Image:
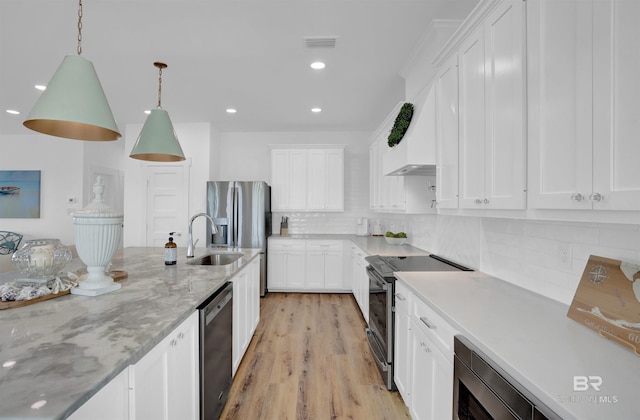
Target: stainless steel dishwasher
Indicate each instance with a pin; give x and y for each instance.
(216, 315)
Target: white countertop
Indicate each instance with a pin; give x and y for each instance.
(531, 338)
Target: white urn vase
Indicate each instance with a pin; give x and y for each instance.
(98, 230)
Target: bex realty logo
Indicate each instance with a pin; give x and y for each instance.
(583, 383)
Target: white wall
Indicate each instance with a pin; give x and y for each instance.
(60, 163)
(247, 157)
(195, 140)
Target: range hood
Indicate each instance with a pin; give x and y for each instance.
(416, 153)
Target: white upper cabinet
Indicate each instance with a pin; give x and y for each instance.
(307, 179)
(447, 137)
(288, 179)
(491, 87)
(583, 90)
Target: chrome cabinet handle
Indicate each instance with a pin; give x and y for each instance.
(400, 297)
(577, 197)
(428, 323)
(597, 197)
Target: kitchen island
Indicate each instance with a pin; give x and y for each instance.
(58, 353)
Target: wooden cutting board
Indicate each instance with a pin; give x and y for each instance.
(117, 276)
(605, 301)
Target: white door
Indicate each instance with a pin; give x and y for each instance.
(167, 203)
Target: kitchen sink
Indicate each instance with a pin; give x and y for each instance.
(218, 258)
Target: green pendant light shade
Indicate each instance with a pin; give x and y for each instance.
(74, 105)
(158, 141)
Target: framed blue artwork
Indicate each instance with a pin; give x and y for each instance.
(20, 194)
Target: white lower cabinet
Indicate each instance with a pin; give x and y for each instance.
(111, 402)
(402, 355)
(246, 309)
(299, 265)
(360, 280)
(164, 384)
(423, 358)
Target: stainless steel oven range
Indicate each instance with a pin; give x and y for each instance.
(380, 332)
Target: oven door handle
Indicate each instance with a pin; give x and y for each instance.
(376, 350)
(377, 279)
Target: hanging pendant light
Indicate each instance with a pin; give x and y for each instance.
(74, 105)
(157, 141)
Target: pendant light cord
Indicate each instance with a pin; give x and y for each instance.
(80, 27)
(159, 85)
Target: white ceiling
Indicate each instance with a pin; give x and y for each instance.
(245, 54)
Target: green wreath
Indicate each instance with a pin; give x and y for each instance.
(401, 125)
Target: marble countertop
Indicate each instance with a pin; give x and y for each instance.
(531, 338)
(372, 245)
(56, 354)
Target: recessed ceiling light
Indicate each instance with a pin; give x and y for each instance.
(147, 111)
(40, 87)
(13, 112)
(231, 110)
(316, 110)
(318, 65)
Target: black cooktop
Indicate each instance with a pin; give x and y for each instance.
(385, 266)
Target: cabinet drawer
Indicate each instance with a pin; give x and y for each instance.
(439, 330)
(325, 245)
(286, 244)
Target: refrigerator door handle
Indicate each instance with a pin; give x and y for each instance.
(236, 218)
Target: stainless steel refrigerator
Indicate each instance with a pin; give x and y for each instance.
(241, 211)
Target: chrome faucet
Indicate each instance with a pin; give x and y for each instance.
(190, 244)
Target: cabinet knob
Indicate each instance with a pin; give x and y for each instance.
(486, 201)
(181, 336)
(597, 197)
(577, 197)
(174, 342)
(478, 201)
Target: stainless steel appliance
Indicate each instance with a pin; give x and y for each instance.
(216, 318)
(380, 332)
(241, 211)
(483, 391)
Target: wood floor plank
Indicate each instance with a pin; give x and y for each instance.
(309, 359)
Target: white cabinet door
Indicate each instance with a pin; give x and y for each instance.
(333, 270)
(403, 349)
(505, 154)
(375, 176)
(111, 402)
(277, 269)
(447, 138)
(150, 384)
(315, 270)
(491, 89)
(423, 381)
(184, 373)
(471, 73)
(280, 180)
(334, 183)
(240, 317)
(560, 56)
(164, 384)
(298, 176)
(296, 269)
(616, 66)
(316, 180)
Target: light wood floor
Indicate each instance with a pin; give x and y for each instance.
(309, 359)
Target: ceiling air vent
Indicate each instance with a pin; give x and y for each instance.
(320, 41)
